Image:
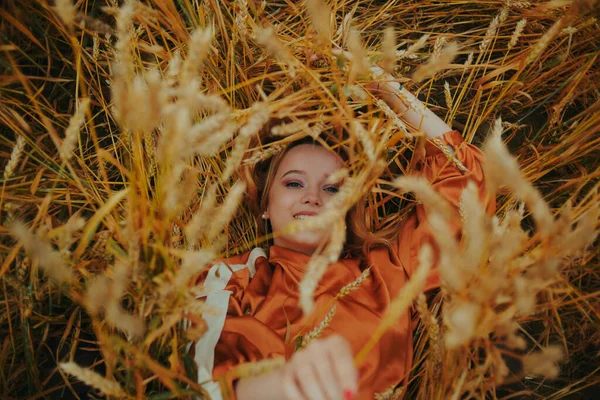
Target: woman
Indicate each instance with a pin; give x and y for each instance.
(258, 294)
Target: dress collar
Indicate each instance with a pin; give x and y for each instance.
(288, 257)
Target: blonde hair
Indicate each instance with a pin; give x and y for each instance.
(360, 235)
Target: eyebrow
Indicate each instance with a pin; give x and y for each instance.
(299, 171)
(294, 171)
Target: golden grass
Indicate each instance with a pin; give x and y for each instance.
(123, 130)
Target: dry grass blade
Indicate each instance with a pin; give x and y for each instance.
(432, 328)
(192, 264)
(450, 264)
(201, 218)
(448, 95)
(365, 139)
(266, 154)
(315, 270)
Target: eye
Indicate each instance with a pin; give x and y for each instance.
(293, 184)
(332, 189)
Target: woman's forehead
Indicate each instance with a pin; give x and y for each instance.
(311, 159)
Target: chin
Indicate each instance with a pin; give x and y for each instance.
(304, 242)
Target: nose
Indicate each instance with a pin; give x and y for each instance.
(313, 198)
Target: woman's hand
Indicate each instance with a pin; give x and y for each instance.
(324, 370)
(408, 107)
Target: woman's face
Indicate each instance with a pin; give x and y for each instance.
(300, 190)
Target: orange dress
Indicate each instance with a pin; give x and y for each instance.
(259, 300)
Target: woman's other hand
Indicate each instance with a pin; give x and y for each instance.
(324, 370)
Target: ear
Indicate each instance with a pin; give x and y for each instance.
(266, 213)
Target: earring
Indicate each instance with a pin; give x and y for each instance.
(264, 215)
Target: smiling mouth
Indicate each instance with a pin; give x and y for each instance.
(303, 216)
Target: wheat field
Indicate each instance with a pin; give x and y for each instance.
(125, 127)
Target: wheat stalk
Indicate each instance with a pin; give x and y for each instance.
(319, 15)
(354, 285)
(224, 214)
(318, 330)
(360, 64)
(42, 253)
(248, 370)
(199, 48)
(93, 379)
(388, 47)
(319, 263)
(437, 62)
(72, 132)
(514, 38)
(259, 117)
(268, 39)
(402, 301)
(66, 10)
(105, 294)
(489, 34)
(15, 157)
(411, 51)
(544, 362)
(541, 45)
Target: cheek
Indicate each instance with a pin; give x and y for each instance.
(279, 207)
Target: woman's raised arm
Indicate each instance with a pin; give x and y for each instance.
(448, 164)
(415, 112)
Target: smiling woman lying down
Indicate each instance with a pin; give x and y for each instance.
(257, 293)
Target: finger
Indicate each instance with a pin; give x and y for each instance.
(346, 54)
(329, 381)
(291, 390)
(315, 57)
(342, 362)
(308, 382)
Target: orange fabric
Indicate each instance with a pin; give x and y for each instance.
(264, 316)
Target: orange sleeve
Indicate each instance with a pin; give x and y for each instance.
(236, 285)
(244, 339)
(448, 175)
(241, 338)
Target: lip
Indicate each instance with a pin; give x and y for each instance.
(309, 213)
